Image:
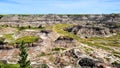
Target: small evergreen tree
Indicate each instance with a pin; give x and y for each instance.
(24, 63)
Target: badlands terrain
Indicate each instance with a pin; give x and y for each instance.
(63, 40)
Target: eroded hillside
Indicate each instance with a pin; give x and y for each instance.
(62, 41)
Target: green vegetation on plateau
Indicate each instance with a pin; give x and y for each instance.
(59, 28)
(27, 39)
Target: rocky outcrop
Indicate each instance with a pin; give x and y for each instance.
(87, 31)
(64, 41)
(84, 60)
(91, 63)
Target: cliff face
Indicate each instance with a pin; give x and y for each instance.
(36, 20)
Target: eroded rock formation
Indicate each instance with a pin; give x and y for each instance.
(37, 20)
(87, 31)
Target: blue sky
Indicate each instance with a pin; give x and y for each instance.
(59, 6)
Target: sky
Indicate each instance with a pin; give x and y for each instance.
(59, 6)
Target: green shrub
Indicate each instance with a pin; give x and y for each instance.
(58, 49)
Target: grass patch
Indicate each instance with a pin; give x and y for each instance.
(9, 65)
(51, 58)
(116, 55)
(27, 39)
(105, 43)
(9, 38)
